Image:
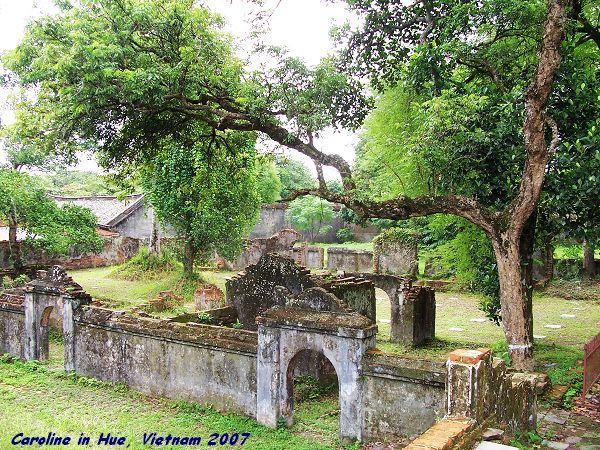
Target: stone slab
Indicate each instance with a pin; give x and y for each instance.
(492, 434)
(553, 418)
(555, 445)
(553, 326)
(494, 446)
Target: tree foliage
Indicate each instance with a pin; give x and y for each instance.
(56, 230)
(268, 180)
(293, 174)
(312, 215)
(206, 192)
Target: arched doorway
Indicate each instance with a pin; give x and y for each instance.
(312, 383)
(383, 309)
(285, 332)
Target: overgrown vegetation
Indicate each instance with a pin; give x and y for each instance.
(308, 388)
(145, 265)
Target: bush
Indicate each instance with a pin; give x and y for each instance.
(144, 265)
(397, 235)
(344, 235)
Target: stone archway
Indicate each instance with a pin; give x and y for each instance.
(319, 361)
(412, 318)
(51, 290)
(343, 338)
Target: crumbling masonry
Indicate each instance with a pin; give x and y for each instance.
(250, 371)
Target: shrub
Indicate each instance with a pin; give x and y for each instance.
(144, 265)
(344, 235)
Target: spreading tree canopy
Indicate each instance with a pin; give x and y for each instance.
(125, 74)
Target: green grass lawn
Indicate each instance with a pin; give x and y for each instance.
(36, 400)
(456, 311)
(120, 293)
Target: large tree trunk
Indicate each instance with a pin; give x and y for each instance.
(14, 246)
(526, 245)
(189, 255)
(515, 310)
(155, 236)
(588, 261)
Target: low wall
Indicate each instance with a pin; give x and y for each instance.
(116, 250)
(393, 386)
(201, 363)
(398, 258)
(311, 257)
(12, 326)
(349, 260)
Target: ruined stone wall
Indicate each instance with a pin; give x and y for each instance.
(311, 257)
(272, 219)
(138, 225)
(12, 326)
(254, 291)
(401, 396)
(398, 258)
(349, 260)
(281, 243)
(192, 362)
(479, 386)
(357, 293)
(116, 250)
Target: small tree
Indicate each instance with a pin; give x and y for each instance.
(206, 192)
(25, 205)
(311, 214)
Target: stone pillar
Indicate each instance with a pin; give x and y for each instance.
(351, 391)
(268, 377)
(30, 339)
(70, 304)
(468, 383)
(39, 303)
(413, 321)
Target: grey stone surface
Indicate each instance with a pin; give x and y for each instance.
(573, 439)
(553, 418)
(208, 365)
(393, 386)
(348, 260)
(494, 446)
(555, 445)
(492, 434)
(12, 325)
(397, 258)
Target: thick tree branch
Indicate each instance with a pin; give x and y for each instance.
(402, 208)
(534, 127)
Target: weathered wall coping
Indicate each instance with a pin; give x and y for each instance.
(209, 336)
(349, 251)
(385, 365)
(18, 309)
(337, 323)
